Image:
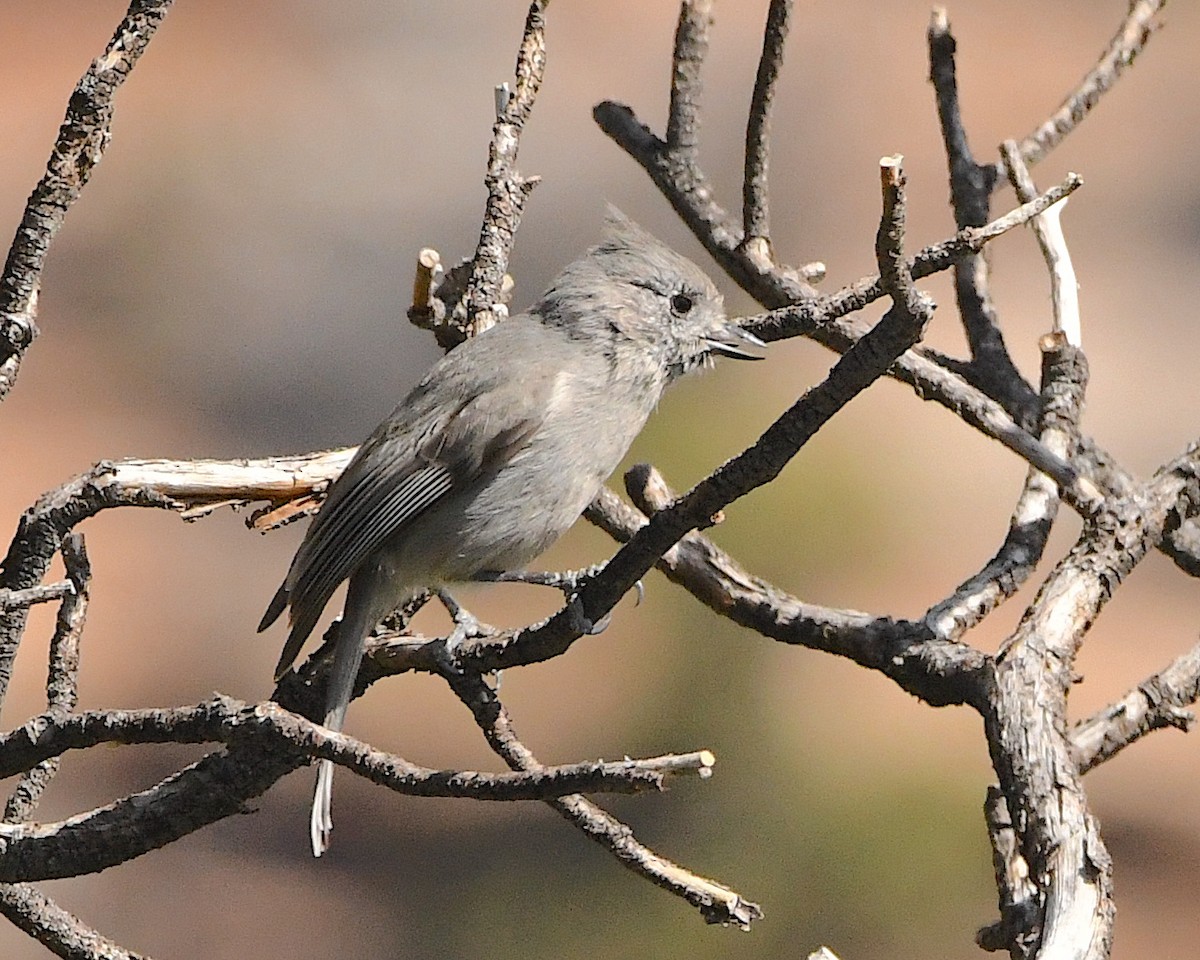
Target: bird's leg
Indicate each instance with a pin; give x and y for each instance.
(570, 582)
(467, 626)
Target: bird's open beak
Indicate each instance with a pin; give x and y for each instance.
(730, 340)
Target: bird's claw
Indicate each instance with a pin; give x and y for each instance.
(581, 622)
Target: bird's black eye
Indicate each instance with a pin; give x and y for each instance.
(681, 304)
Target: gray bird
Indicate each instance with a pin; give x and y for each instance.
(500, 447)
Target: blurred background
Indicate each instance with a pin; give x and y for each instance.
(233, 283)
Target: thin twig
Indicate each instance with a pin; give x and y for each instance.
(483, 304)
(756, 236)
(1047, 227)
(691, 47)
(81, 142)
(1131, 37)
(1159, 702)
(58, 931)
(62, 680)
(716, 903)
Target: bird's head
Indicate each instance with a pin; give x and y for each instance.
(634, 292)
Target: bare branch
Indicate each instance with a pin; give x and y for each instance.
(1047, 227)
(716, 903)
(265, 741)
(507, 189)
(1026, 719)
(222, 720)
(755, 220)
(81, 142)
(1131, 37)
(691, 47)
(1157, 703)
(57, 930)
(62, 680)
(971, 186)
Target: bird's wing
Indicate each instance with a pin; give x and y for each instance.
(401, 471)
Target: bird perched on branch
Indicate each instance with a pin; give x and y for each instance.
(500, 447)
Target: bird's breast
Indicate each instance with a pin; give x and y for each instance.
(532, 500)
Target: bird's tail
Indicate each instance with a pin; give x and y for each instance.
(357, 622)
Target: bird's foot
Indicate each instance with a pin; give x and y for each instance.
(467, 627)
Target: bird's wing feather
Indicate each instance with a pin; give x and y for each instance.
(397, 475)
